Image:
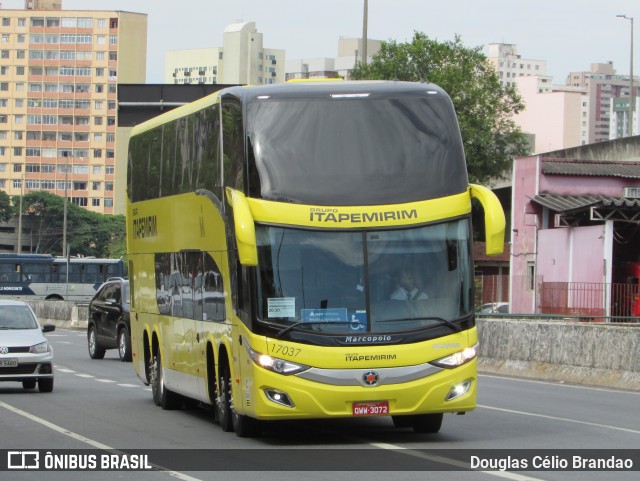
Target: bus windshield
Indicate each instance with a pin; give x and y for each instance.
(374, 281)
(354, 151)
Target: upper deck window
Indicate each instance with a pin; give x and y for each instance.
(354, 150)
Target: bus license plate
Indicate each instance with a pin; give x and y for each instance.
(375, 408)
(8, 363)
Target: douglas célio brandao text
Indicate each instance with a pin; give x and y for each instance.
(573, 462)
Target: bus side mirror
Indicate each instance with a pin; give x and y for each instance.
(494, 222)
(245, 229)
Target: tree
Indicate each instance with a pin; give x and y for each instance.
(88, 233)
(485, 109)
(6, 210)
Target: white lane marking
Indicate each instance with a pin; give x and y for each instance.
(80, 437)
(63, 342)
(561, 384)
(89, 376)
(452, 462)
(556, 418)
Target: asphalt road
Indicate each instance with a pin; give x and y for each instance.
(101, 404)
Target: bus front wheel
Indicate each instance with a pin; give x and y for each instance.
(245, 426)
(426, 423)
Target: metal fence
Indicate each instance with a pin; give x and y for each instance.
(589, 300)
(585, 301)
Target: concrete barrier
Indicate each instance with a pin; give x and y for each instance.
(63, 314)
(594, 354)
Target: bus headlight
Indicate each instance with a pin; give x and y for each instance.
(281, 366)
(39, 348)
(458, 358)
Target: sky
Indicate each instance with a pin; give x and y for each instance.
(569, 34)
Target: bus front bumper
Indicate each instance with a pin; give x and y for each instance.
(270, 396)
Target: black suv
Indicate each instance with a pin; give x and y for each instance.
(109, 326)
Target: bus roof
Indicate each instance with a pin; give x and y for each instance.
(292, 90)
(10, 257)
(326, 89)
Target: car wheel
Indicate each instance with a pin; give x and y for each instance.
(96, 351)
(45, 385)
(223, 403)
(29, 384)
(124, 345)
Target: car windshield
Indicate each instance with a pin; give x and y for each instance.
(17, 317)
(374, 281)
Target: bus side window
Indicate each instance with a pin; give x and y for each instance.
(242, 279)
(233, 144)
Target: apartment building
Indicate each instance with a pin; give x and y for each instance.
(592, 106)
(619, 113)
(242, 59)
(510, 65)
(555, 114)
(59, 71)
(603, 85)
(350, 51)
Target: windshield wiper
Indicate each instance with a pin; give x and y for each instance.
(312, 323)
(441, 321)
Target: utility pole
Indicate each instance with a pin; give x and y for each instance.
(631, 92)
(64, 215)
(365, 20)
(20, 217)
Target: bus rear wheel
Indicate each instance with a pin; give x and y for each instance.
(162, 396)
(223, 403)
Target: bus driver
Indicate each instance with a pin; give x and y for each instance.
(410, 285)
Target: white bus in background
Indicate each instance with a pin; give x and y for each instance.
(43, 276)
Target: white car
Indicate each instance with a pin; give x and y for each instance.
(493, 308)
(25, 354)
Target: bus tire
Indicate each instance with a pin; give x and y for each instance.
(162, 396)
(96, 351)
(124, 345)
(211, 385)
(427, 423)
(223, 403)
(402, 421)
(245, 426)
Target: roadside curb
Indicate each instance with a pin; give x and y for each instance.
(604, 378)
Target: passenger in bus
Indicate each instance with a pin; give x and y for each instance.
(410, 285)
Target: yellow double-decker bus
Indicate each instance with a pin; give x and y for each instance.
(304, 251)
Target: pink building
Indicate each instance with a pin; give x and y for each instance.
(574, 226)
(553, 113)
